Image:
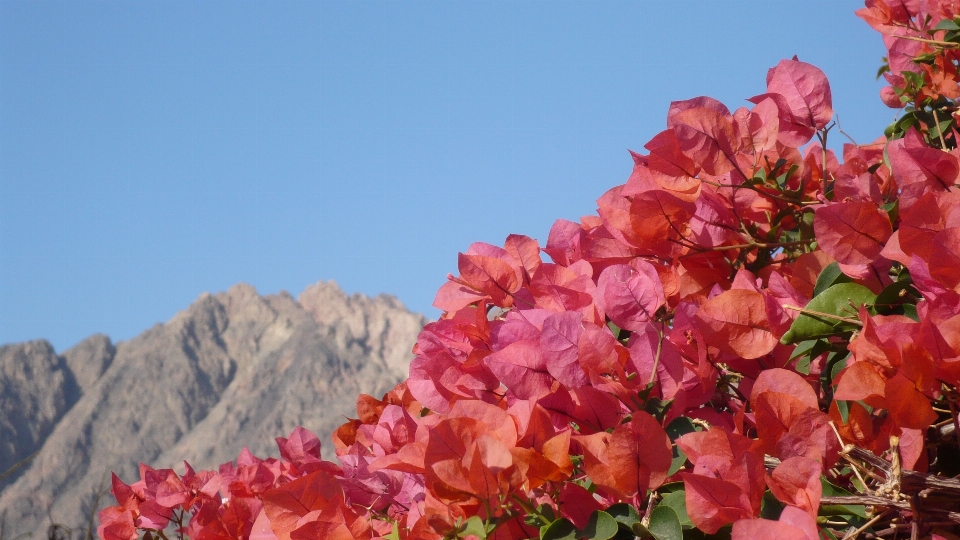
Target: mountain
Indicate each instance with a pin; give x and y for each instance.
(234, 369)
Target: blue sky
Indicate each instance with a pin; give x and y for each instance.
(151, 151)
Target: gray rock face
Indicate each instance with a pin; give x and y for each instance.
(235, 369)
(36, 389)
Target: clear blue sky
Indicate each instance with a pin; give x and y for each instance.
(151, 151)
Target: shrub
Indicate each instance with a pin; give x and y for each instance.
(749, 340)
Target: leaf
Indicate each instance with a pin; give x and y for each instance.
(301, 446)
(764, 529)
(852, 232)
(770, 508)
(860, 381)
(785, 382)
(796, 482)
(806, 90)
(830, 490)
(947, 24)
(601, 526)
(678, 427)
(116, 523)
(520, 366)
(707, 137)
(677, 501)
(559, 343)
(945, 258)
(630, 294)
(640, 453)
(491, 274)
(577, 504)
(713, 503)
(665, 524)
(830, 276)
(560, 529)
(624, 513)
(919, 168)
(841, 300)
(474, 525)
(907, 405)
(285, 505)
(736, 322)
(891, 298)
(640, 531)
(526, 250)
(656, 217)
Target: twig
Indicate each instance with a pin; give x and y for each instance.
(943, 144)
(864, 500)
(844, 133)
(645, 520)
(845, 453)
(656, 359)
(944, 44)
(853, 534)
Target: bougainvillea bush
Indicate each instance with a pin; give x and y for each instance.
(751, 339)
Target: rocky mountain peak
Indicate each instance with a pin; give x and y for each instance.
(233, 369)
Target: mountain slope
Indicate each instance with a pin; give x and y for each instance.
(233, 369)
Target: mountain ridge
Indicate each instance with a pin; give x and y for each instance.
(234, 369)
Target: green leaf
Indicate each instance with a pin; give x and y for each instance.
(893, 210)
(894, 296)
(615, 329)
(601, 526)
(883, 69)
(841, 300)
(677, 501)
(657, 407)
(830, 490)
(474, 525)
(665, 524)
(946, 24)
(560, 529)
(803, 365)
(807, 351)
(770, 507)
(394, 534)
(803, 348)
(624, 513)
(913, 78)
(829, 276)
(546, 513)
(843, 407)
(640, 531)
(836, 362)
(678, 427)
